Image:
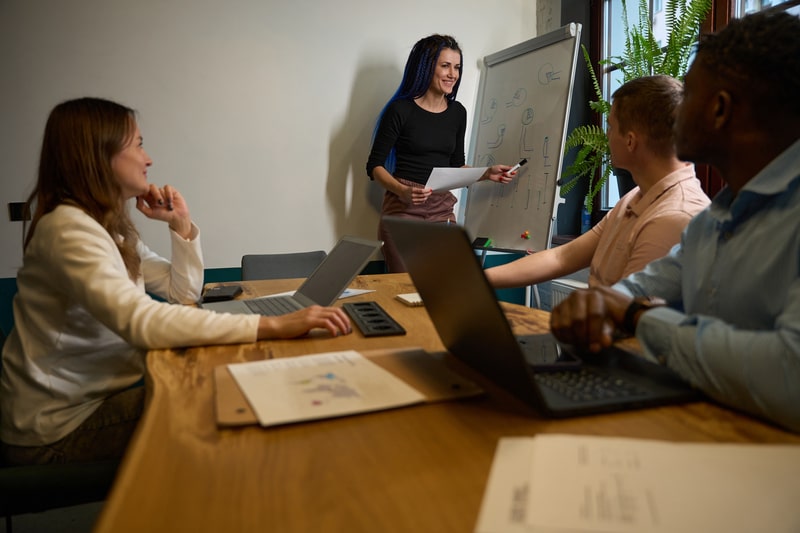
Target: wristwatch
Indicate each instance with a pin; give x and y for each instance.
(639, 304)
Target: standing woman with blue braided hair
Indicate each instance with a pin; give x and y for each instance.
(422, 127)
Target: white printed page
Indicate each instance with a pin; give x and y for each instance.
(318, 386)
(619, 485)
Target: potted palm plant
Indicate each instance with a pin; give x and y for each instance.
(642, 56)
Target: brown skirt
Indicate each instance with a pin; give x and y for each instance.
(438, 208)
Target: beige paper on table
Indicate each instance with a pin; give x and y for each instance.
(559, 483)
(448, 178)
(318, 386)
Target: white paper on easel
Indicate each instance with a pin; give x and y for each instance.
(315, 386)
(446, 178)
(617, 485)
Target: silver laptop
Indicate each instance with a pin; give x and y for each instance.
(464, 309)
(328, 281)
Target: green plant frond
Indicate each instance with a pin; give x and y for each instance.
(586, 135)
(584, 167)
(671, 15)
(596, 187)
(642, 54)
(586, 160)
(645, 25)
(683, 22)
(642, 58)
(592, 154)
(568, 187)
(583, 153)
(596, 84)
(601, 107)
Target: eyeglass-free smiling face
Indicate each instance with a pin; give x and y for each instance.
(130, 166)
(447, 72)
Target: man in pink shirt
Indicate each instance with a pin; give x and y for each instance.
(647, 221)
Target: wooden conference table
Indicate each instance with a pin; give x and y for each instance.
(415, 469)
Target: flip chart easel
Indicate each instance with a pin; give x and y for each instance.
(522, 112)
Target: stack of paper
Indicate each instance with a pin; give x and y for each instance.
(556, 483)
(411, 299)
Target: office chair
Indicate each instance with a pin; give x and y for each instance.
(278, 266)
(37, 488)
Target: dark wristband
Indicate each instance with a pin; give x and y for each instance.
(638, 304)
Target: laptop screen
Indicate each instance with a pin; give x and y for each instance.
(461, 303)
(344, 262)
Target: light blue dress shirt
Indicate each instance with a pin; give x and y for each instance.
(732, 327)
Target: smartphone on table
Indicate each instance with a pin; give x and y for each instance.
(221, 293)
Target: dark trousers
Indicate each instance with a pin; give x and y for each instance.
(104, 435)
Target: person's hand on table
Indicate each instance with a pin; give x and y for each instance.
(588, 318)
(297, 324)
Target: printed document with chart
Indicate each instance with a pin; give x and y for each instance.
(324, 385)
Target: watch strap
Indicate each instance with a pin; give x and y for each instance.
(638, 304)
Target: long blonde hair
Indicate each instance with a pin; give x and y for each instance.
(80, 139)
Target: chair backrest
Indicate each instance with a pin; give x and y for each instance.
(284, 265)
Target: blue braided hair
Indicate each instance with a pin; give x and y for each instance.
(420, 66)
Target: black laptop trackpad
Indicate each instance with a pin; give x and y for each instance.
(543, 352)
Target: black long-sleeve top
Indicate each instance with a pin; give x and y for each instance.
(423, 140)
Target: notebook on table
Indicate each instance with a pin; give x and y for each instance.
(468, 318)
(328, 281)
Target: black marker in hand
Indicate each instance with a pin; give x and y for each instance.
(516, 167)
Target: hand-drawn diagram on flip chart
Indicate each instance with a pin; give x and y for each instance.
(522, 113)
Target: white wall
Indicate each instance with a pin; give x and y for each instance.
(259, 111)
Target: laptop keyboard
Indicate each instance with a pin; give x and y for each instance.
(272, 306)
(588, 385)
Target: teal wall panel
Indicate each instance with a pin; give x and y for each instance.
(216, 275)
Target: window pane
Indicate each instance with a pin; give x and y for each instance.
(745, 7)
(614, 47)
(610, 81)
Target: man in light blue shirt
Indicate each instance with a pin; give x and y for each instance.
(723, 308)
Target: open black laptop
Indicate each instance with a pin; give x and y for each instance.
(344, 262)
(464, 309)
